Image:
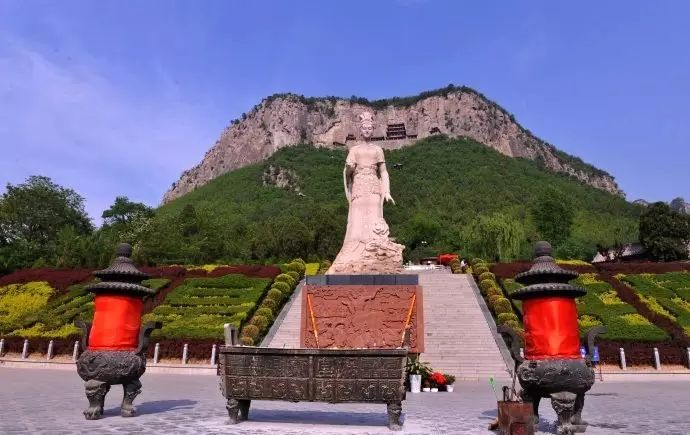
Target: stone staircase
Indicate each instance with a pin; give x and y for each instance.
(285, 331)
(459, 333)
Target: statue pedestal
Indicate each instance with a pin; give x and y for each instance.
(362, 311)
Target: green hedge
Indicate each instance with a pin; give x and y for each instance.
(201, 306)
(622, 321)
(667, 294)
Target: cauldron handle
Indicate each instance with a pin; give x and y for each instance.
(145, 334)
(85, 331)
(514, 344)
(591, 335)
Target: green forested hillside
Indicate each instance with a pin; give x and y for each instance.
(442, 188)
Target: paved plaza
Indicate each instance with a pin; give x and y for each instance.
(45, 401)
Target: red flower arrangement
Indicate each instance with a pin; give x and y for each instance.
(437, 379)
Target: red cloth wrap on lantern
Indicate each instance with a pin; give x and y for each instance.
(116, 322)
(551, 330)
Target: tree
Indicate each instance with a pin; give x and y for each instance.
(664, 233)
(32, 214)
(553, 216)
(497, 236)
(679, 205)
(123, 211)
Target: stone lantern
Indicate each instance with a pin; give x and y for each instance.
(115, 344)
(552, 365)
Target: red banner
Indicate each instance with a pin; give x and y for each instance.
(551, 330)
(116, 323)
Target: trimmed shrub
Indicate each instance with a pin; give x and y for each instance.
(260, 322)
(502, 305)
(480, 269)
(269, 303)
(266, 312)
(246, 341)
(282, 286)
(492, 300)
(251, 331)
(493, 291)
(295, 267)
(284, 277)
(477, 261)
(323, 268)
(487, 275)
(276, 295)
(484, 285)
(295, 275)
(506, 317)
(515, 325)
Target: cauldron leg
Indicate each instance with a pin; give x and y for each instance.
(577, 413)
(233, 407)
(131, 390)
(564, 403)
(244, 409)
(95, 392)
(394, 411)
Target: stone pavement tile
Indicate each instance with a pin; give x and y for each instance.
(51, 402)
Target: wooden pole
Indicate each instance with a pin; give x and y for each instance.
(407, 319)
(313, 321)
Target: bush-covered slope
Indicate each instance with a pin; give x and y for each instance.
(440, 185)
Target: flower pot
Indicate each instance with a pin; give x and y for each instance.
(449, 388)
(415, 383)
(434, 390)
(426, 389)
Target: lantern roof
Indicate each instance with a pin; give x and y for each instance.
(121, 276)
(546, 278)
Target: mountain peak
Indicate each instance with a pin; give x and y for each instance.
(283, 120)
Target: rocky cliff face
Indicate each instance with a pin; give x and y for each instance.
(285, 120)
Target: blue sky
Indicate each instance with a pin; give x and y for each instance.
(118, 98)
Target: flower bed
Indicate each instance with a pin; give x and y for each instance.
(17, 301)
(666, 294)
(602, 305)
(199, 307)
(58, 279)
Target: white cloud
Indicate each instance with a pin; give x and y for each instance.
(65, 119)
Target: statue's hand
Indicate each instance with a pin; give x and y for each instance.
(388, 197)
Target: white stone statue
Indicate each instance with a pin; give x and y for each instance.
(367, 247)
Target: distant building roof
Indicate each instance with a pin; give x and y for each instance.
(630, 250)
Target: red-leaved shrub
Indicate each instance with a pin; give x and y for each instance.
(59, 279)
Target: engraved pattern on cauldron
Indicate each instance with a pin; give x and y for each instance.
(110, 366)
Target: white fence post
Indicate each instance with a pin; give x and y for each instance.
(49, 355)
(25, 349)
(75, 352)
(156, 353)
(687, 350)
(184, 354)
(2, 346)
(657, 361)
(624, 366)
(522, 353)
(213, 355)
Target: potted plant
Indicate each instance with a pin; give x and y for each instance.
(426, 385)
(416, 371)
(436, 379)
(450, 380)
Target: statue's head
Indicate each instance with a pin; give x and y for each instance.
(366, 126)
